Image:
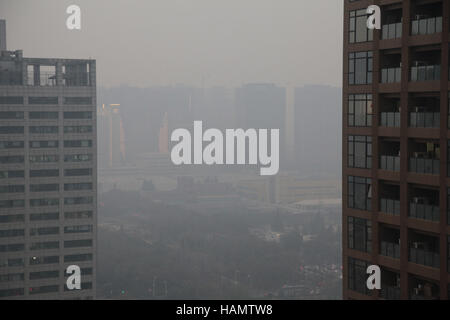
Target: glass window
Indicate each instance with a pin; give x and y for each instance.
(360, 68)
(360, 193)
(360, 152)
(358, 31)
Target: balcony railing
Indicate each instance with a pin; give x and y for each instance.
(426, 26)
(426, 73)
(424, 119)
(390, 119)
(390, 250)
(392, 31)
(45, 79)
(390, 292)
(391, 75)
(424, 257)
(424, 212)
(390, 163)
(425, 166)
(390, 206)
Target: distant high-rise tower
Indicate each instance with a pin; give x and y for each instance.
(396, 146)
(48, 176)
(163, 138)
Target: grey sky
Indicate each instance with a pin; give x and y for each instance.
(159, 42)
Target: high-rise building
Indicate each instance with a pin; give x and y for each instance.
(48, 176)
(396, 144)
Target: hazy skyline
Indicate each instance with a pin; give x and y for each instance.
(199, 42)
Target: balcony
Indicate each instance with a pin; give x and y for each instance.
(390, 155)
(422, 289)
(424, 257)
(390, 250)
(389, 241)
(423, 25)
(424, 212)
(424, 72)
(424, 166)
(390, 206)
(424, 249)
(390, 119)
(391, 31)
(390, 292)
(389, 111)
(424, 119)
(391, 75)
(390, 163)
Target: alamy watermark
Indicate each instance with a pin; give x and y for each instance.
(238, 144)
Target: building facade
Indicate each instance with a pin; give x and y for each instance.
(396, 144)
(48, 176)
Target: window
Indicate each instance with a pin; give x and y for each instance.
(360, 193)
(78, 100)
(44, 144)
(43, 100)
(11, 218)
(360, 110)
(11, 144)
(11, 277)
(78, 200)
(359, 234)
(77, 172)
(12, 247)
(47, 158)
(44, 173)
(78, 157)
(44, 187)
(44, 130)
(77, 143)
(78, 215)
(44, 202)
(44, 231)
(19, 188)
(8, 204)
(78, 229)
(78, 257)
(11, 292)
(44, 245)
(10, 233)
(360, 68)
(44, 275)
(78, 115)
(357, 276)
(12, 159)
(12, 174)
(11, 115)
(77, 186)
(78, 243)
(77, 129)
(44, 260)
(44, 216)
(17, 262)
(11, 130)
(44, 115)
(360, 152)
(44, 289)
(358, 31)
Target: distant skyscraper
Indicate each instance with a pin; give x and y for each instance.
(396, 147)
(48, 176)
(163, 139)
